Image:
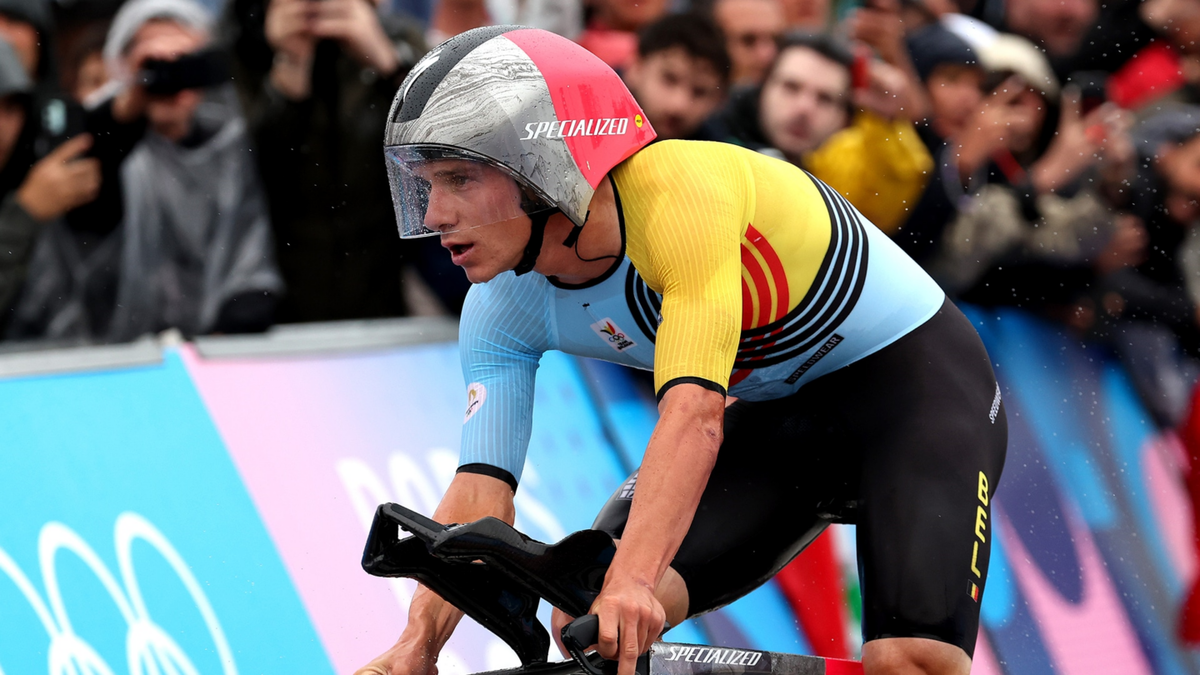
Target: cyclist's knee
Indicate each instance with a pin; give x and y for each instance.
(914, 656)
(558, 619)
(673, 594)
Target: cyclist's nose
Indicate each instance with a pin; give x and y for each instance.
(440, 216)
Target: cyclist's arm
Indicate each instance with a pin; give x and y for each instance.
(672, 477)
(502, 335)
(690, 248)
(431, 620)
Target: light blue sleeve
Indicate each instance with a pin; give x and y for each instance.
(505, 329)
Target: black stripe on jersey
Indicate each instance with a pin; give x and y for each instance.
(829, 300)
(644, 304)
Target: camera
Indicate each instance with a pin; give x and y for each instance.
(190, 71)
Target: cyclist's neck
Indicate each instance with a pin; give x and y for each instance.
(600, 243)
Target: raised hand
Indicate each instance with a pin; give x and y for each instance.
(996, 122)
(879, 25)
(355, 24)
(289, 32)
(1077, 144)
(888, 92)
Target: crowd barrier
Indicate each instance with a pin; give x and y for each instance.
(201, 507)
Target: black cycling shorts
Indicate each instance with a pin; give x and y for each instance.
(908, 443)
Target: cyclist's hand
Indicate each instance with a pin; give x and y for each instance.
(402, 659)
(631, 619)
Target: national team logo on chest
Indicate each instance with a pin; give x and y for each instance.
(612, 335)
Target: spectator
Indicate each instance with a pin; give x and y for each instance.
(1057, 26)
(812, 16)
(953, 79)
(29, 27)
(84, 71)
(805, 112)
(193, 250)
(880, 26)
(752, 30)
(317, 78)
(680, 75)
(26, 24)
(447, 18)
(31, 198)
(1151, 310)
(611, 34)
(451, 17)
(1117, 34)
(1161, 69)
(1036, 225)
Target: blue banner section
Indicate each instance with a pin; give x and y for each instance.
(128, 536)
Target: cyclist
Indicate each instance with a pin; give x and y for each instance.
(862, 394)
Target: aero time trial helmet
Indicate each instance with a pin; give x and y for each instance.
(525, 102)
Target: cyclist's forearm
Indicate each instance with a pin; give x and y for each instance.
(431, 621)
(470, 497)
(671, 480)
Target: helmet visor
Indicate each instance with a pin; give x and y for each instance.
(438, 190)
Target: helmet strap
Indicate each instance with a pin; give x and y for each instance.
(573, 237)
(537, 233)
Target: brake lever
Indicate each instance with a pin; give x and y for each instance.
(578, 636)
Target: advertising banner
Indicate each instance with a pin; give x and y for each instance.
(129, 542)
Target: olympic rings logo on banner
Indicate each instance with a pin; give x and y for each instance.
(150, 651)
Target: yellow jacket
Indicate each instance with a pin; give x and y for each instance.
(880, 166)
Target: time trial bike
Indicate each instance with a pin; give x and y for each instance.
(498, 576)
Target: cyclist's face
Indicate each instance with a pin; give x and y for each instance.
(466, 196)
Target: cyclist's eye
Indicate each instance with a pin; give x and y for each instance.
(454, 180)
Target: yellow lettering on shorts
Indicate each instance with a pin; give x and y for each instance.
(981, 526)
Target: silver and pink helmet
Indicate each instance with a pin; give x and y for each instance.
(523, 101)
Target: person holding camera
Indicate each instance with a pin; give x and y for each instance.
(317, 78)
(34, 193)
(193, 249)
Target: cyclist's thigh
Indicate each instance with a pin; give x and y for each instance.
(934, 437)
(764, 501)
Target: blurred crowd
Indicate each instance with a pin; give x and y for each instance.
(217, 168)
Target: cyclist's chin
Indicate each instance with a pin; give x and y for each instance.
(482, 272)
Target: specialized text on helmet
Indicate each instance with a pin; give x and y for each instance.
(604, 126)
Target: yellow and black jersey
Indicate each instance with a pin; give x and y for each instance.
(741, 273)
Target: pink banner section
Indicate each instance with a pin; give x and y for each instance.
(985, 662)
(1094, 636)
(319, 443)
(1163, 460)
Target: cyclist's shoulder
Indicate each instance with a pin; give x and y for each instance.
(682, 171)
(679, 157)
(675, 178)
(507, 298)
